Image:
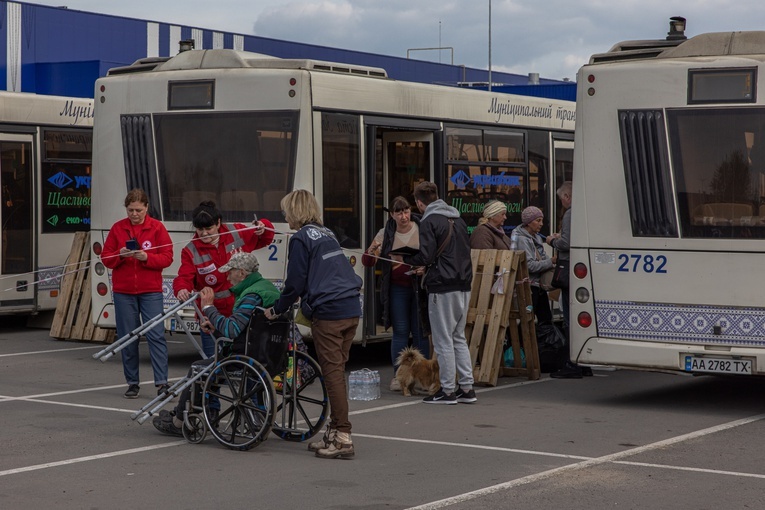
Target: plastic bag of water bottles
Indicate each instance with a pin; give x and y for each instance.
(364, 384)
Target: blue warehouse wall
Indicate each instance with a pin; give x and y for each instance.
(51, 50)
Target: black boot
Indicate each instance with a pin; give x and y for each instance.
(569, 371)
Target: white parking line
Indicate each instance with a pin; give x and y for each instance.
(49, 351)
(614, 457)
(418, 400)
(89, 458)
(697, 470)
(6, 398)
(71, 404)
(473, 446)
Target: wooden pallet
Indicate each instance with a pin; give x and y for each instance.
(490, 314)
(524, 335)
(71, 320)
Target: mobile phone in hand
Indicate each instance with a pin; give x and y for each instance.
(131, 244)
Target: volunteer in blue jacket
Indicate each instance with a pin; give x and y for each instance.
(319, 273)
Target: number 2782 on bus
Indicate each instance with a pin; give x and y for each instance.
(639, 263)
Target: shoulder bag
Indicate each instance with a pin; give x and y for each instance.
(545, 279)
(560, 275)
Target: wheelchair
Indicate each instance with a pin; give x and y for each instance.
(257, 384)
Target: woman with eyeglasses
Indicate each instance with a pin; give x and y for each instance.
(209, 249)
(137, 249)
(398, 288)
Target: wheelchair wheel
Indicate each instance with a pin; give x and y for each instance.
(196, 429)
(301, 409)
(245, 393)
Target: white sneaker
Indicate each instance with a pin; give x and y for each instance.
(394, 385)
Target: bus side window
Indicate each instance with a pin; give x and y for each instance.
(341, 164)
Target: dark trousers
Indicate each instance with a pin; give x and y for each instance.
(541, 304)
(333, 339)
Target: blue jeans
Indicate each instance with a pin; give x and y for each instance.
(131, 310)
(405, 319)
(208, 344)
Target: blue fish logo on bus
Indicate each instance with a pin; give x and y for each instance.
(461, 179)
(60, 180)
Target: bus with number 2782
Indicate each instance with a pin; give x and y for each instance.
(668, 215)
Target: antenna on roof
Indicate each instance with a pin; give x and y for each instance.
(185, 45)
(676, 29)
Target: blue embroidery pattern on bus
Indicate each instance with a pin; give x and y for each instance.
(680, 323)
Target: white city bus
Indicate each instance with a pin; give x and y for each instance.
(45, 161)
(668, 221)
(245, 129)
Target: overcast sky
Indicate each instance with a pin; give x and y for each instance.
(550, 37)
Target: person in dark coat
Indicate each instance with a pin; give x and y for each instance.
(319, 274)
(445, 253)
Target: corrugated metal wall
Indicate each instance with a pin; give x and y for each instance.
(51, 50)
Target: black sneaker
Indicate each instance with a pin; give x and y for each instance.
(466, 397)
(166, 427)
(132, 391)
(569, 371)
(441, 398)
(162, 388)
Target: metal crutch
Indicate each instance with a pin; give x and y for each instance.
(162, 400)
(131, 337)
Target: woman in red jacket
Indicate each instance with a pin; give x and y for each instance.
(137, 249)
(208, 250)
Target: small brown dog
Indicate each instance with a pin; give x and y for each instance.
(413, 369)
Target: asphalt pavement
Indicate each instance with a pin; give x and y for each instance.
(621, 439)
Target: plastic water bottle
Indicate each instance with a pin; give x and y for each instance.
(353, 386)
(367, 385)
(375, 385)
(364, 384)
(514, 240)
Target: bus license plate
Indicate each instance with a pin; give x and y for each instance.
(192, 325)
(718, 365)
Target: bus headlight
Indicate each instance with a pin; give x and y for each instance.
(582, 295)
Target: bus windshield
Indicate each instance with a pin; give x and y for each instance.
(243, 161)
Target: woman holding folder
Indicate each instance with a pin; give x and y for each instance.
(398, 291)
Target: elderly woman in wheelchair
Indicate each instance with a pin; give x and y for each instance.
(233, 395)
